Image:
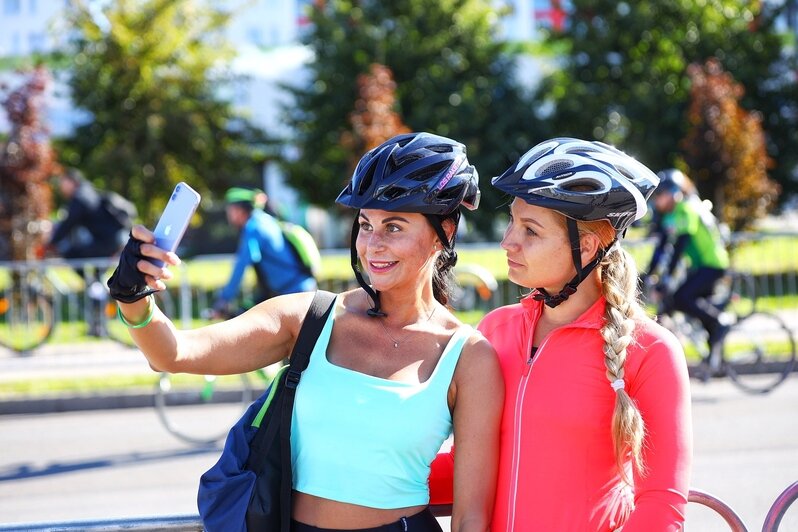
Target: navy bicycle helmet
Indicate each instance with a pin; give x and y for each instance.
(672, 181)
(585, 181)
(414, 172)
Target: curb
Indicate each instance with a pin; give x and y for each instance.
(53, 405)
(108, 401)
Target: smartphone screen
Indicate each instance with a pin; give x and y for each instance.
(175, 218)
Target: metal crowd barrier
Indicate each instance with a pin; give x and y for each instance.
(188, 298)
(779, 508)
(192, 523)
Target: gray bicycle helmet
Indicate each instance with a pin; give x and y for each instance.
(583, 180)
(414, 172)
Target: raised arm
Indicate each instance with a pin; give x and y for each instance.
(261, 336)
(478, 401)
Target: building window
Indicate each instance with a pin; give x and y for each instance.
(12, 7)
(16, 44)
(36, 41)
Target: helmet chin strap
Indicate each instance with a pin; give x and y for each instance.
(581, 273)
(374, 295)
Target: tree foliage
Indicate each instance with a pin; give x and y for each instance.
(452, 78)
(625, 80)
(725, 148)
(149, 73)
(27, 162)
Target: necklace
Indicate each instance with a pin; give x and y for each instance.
(397, 341)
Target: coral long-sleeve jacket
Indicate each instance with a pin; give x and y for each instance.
(557, 468)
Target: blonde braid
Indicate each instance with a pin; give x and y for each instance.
(619, 284)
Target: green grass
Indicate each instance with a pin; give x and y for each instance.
(81, 386)
(104, 383)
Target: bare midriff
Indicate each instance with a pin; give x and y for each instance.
(326, 513)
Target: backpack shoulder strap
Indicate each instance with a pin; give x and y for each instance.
(319, 310)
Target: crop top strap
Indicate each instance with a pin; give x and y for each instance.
(451, 355)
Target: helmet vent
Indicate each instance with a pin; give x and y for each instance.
(582, 185)
(554, 167)
(626, 173)
(453, 193)
(430, 172)
(392, 193)
(440, 148)
(400, 162)
(367, 179)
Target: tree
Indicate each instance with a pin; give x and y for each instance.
(725, 148)
(374, 119)
(453, 77)
(26, 163)
(149, 73)
(624, 79)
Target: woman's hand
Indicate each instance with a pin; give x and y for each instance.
(154, 272)
(142, 268)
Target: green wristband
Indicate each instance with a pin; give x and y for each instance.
(144, 323)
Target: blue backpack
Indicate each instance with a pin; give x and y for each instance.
(249, 487)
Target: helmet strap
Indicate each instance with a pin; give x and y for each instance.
(375, 296)
(435, 222)
(569, 289)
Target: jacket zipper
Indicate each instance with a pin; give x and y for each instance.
(519, 401)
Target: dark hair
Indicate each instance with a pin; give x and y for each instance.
(443, 276)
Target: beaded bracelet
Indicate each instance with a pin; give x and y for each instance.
(144, 323)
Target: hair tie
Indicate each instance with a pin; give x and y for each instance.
(617, 384)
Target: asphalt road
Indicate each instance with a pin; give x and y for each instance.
(121, 463)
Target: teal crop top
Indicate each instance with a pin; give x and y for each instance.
(364, 440)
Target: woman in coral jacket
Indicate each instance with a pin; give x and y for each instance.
(596, 430)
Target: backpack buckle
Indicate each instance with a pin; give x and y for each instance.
(292, 378)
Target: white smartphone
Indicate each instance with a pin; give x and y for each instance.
(175, 218)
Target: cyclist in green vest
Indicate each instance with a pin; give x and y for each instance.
(688, 225)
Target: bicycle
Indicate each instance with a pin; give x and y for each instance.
(475, 287)
(757, 352)
(200, 409)
(31, 305)
(27, 310)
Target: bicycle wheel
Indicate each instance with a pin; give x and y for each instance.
(200, 409)
(474, 289)
(759, 352)
(118, 331)
(743, 287)
(27, 318)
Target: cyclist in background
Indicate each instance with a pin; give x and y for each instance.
(262, 245)
(93, 227)
(688, 226)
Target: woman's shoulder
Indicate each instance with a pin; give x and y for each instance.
(655, 346)
(500, 317)
(648, 333)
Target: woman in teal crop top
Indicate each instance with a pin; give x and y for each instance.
(394, 366)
